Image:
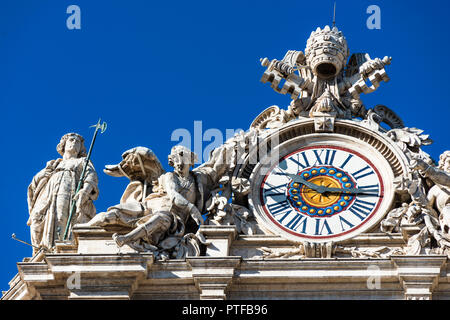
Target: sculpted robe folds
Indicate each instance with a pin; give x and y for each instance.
(49, 199)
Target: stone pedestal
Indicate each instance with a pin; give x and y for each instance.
(214, 273)
(219, 239)
(212, 276)
(233, 269)
(96, 240)
(100, 277)
(419, 275)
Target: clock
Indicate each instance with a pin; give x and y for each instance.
(321, 188)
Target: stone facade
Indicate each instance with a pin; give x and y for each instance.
(233, 268)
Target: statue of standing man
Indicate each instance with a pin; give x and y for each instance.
(52, 191)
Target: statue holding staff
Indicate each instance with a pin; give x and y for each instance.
(53, 189)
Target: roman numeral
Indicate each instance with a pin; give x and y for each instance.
(342, 220)
(297, 221)
(275, 191)
(361, 208)
(278, 208)
(280, 172)
(371, 190)
(324, 225)
(346, 161)
(364, 172)
(329, 157)
(303, 165)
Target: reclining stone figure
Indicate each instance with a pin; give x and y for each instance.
(159, 210)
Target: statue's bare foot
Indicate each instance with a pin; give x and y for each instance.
(101, 219)
(83, 225)
(120, 240)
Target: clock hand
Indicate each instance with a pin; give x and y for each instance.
(323, 189)
(349, 190)
(313, 186)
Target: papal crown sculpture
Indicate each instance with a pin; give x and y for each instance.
(325, 84)
(328, 175)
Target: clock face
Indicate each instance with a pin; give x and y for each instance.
(322, 193)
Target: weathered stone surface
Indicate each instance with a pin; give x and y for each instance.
(52, 189)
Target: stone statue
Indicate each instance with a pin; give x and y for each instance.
(439, 194)
(428, 188)
(52, 191)
(171, 203)
(168, 206)
(164, 209)
(159, 217)
(320, 81)
(141, 166)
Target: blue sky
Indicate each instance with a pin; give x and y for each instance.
(148, 68)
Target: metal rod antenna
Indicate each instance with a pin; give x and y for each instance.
(29, 244)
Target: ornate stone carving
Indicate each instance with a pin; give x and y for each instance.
(159, 211)
(428, 209)
(297, 252)
(323, 85)
(437, 202)
(389, 117)
(271, 118)
(382, 252)
(159, 219)
(52, 191)
(410, 141)
(328, 250)
(141, 166)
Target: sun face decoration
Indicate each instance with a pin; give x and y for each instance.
(313, 203)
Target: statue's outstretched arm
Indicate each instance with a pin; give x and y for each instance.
(436, 175)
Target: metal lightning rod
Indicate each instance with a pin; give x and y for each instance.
(14, 237)
(334, 15)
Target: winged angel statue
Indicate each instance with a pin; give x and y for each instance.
(164, 209)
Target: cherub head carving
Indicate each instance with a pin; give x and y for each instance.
(444, 161)
(182, 159)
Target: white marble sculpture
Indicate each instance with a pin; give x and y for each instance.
(168, 204)
(426, 196)
(158, 208)
(171, 203)
(320, 81)
(52, 189)
(438, 196)
(141, 166)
